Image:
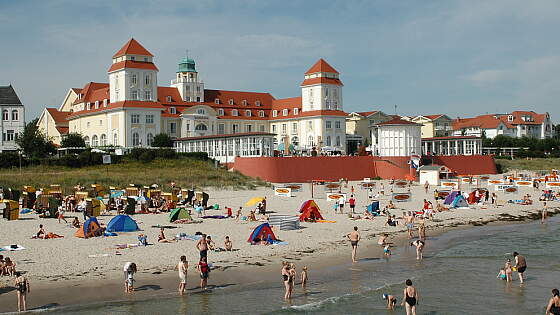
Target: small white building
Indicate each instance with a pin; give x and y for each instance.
(396, 137)
(12, 121)
(432, 174)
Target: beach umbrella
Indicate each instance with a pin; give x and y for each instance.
(253, 201)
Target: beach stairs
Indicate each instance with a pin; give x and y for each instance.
(284, 222)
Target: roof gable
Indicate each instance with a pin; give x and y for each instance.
(8, 96)
(321, 66)
(132, 47)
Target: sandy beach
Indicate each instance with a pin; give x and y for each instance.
(91, 264)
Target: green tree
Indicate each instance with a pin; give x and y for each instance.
(33, 142)
(73, 140)
(162, 140)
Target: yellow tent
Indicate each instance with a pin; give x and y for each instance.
(253, 201)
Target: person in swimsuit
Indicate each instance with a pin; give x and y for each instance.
(41, 233)
(204, 270)
(292, 278)
(422, 229)
(544, 212)
(520, 265)
(202, 246)
(410, 298)
(304, 276)
(286, 279)
(182, 267)
(502, 274)
(22, 286)
(228, 244)
(161, 237)
(553, 307)
(508, 270)
(391, 301)
(419, 248)
(409, 220)
(354, 237)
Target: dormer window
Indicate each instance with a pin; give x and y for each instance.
(285, 112)
(169, 99)
(261, 113)
(172, 110)
(510, 117)
(217, 101)
(234, 112)
(248, 113)
(274, 113)
(88, 105)
(201, 111)
(220, 112)
(231, 101)
(96, 104)
(296, 111)
(244, 102)
(145, 59)
(258, 103)
(132, 58)
(105, 102)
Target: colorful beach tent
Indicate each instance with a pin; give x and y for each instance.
(459, 202)
(262, 232)
(254, 201)
(373, 207)
(310, 211)
(451, 197)
(179, 214)
(90, 228)
(122, 223)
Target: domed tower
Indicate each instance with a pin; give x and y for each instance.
(190, 88)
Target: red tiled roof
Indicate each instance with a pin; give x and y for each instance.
(164, 92)
(76, 90)
(321, 66)
(433, 117)
(482, 121)
(467, 165)
(367, 114)
(537, 118)
(88, 91)
(62, 130)
(58, 116)
(132, 64)
(122, 104)
(132, 47)
(321, 80)
(237, 96)
(397, 121)
(231, 135)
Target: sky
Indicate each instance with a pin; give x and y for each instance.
(460, 58)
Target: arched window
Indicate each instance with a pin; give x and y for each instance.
(220, 112)
(149, 139)
(234, 112)
(15, 115)
(94, 141)
(5, 114)
(295, 140)
(261, 113)
(135, 139)
(201, 127)
(86, 140)
(248, 113)
(115, 139)
(103, 140)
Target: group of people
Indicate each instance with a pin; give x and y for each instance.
(289, 274)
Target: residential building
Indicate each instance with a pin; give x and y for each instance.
(396, 137)
(12, 121)
(358, 126)
(434, 125)
(515, 124)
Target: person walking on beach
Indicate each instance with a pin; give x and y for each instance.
(182, 267)
(341, 202)
(422, 228)
(426, 187)
(202, 246)
(352, 203)
(410, 298)
(304, 277)
(286, 279)
(419, 248)
(544, 213)
(22, 288)
(204, 272)
(60, 214)
(520, 265)
(409, 221)
(354, 237)
(553, 307)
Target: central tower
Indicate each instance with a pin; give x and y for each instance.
(321, 88)
(187, 82)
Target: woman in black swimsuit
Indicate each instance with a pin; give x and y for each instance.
(286, 279)
(553, 307)
(410, 297)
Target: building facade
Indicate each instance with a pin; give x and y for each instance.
(516, 124)
(132, 108)
(434, 125)
(12, 121)
(396, 137)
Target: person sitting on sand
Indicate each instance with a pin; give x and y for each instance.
(41, 233)
(229, 212)
(228, 244)
(161, 237)
(368, 215)
(391, 221)
(76, 222)
(391, 205)
(440, 208)
(143, 239)
(210, 242)
(9, 267)
(252, 216)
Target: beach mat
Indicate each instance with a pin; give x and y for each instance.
(11, 248)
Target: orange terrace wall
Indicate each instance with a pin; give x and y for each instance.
(305, 169)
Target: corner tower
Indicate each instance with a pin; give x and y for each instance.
(321, 88)
(187, 82)
(133, 75)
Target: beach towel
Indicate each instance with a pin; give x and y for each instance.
(110, 234)
(12, 248)
(25, 211)
(98, 255)
(325, 221)
(186, 237)
(214, 217)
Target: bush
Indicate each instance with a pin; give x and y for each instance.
(194, 155)
(165, 153)
(147, 156)
(10, 159)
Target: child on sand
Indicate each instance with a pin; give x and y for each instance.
(228, 244)
(304, 277)
(60, 214)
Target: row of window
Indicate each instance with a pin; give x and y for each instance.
(235, 112)
(328, 124)
(147, 79)
(96, 104)
(99, 141)
(285, 112)
(135, 119)
(232, 102)
(6, 115)
(235, 128)
(9, 135)
(134, 94)
(285, 128)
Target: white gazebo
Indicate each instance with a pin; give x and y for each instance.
(396, 137)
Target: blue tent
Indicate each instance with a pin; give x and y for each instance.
(459, 202)
(451, 197)
(374, 207)
(262, 232)
(122, 223)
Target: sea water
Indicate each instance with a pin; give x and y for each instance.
(457, 276)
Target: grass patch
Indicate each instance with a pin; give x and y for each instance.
(184, 172)
(534, 164)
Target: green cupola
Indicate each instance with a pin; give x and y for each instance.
(186, 65)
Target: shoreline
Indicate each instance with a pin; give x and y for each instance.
(52, 295)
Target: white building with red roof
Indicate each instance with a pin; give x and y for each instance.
(132, 108)
(515, 124)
